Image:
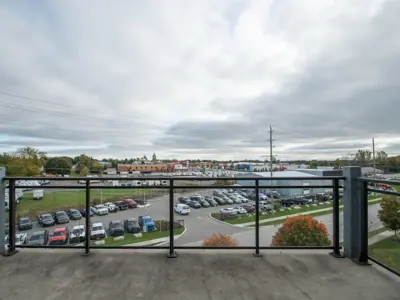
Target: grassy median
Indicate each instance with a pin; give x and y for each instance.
(131, 239)
(387, 251)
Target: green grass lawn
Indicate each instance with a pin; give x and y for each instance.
(61, 200)
(131, 239)
(387, 251)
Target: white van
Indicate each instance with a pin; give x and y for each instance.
(37, 194)
(182, 209)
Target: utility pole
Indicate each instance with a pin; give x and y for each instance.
(271, 140)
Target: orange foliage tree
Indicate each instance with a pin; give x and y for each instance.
(220, 240)
(301, 231)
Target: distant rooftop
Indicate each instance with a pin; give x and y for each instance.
(284, 174)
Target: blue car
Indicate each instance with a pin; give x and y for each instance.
(83, 212)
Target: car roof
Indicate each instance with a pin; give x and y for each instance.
(57, 229)
(38, 232)
(24, 218)
(45, 215)
(78, 227)
(115, 221)
(97, 224)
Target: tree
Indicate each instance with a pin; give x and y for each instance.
(389, 214)
(220, 240)
(380, 159)
(363, 158)
(301, 231)
(58, 165)
(84, 171)
(96, 167)
(313, 164)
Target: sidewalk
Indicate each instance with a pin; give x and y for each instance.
(292, 215)
(379, 237)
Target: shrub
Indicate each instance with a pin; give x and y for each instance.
(301, 231)
(220, 240)
(389, 214)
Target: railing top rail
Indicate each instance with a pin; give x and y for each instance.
(384, 181)
(177, 178)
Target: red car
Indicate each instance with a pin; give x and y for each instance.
(130, 203)
(60, 236)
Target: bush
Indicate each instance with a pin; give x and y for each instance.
(220, 240)
(301, 231)
(389, 214)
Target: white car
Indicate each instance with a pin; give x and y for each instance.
(228, 211)
(20, 239)
(100, 210)
(111, 207)
(182, 209)
(98, 231)
(240, 210)
(77, 234)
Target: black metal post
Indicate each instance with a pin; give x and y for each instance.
(172, 253)
(336, 220)
(257, 253)
(11, 219)
(363, 259)
(87, 221)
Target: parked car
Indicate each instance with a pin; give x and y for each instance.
(265, 205)
(121, 205)
(61, 217)
(219, 200)
(39, 238)
(148, 222)
(249, 208)
(46, 220)
(194, 204)
(211, 201)
(130, 203)
(100, 210)
(182, 209)
(24, 224)
(97, 231)
(112, 208)
(115, 228)
(240, 210)
(83, 212)
(228, 200)
(131, 225)
(228, 211)
(74, 214)
(321, 197)
(184, 200)
(59, 236)
(204, 203)
(77, 234)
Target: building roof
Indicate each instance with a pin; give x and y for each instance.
(284, 174)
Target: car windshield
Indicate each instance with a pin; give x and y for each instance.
(59, 233)
(97, 228)
(60, 214)
(36, 237)
(77, 231)
(46, 217)
(132, 222)
(24, 221)
(74, 212)
(116, 224)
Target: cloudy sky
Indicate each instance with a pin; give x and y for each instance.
(200, 79)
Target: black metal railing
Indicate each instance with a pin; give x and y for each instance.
(369, 185)
(171, 187)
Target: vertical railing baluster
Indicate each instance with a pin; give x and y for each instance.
(87, 221)
(11, 218)
(364, 225)
(336, 219)
(257, 231)
(172, 253)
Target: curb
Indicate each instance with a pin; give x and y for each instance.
(175, 238)
(223, 222)
(159, 241)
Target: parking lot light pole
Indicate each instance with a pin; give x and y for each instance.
(87, 220)
(257, 231)
(172, 253)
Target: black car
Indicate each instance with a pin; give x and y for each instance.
(115, 228)
(211, 201)
(39, 238)
(204, 203)
(61, 217)
(74, 214)
(46, 220)
(321, 197)
(131, 225)
(249, 208)
(194, 204)
(24, 224)
(220, 201)
(121, 205)
(184, 200)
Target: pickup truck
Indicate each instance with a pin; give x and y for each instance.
(20, 239)
(147, 221)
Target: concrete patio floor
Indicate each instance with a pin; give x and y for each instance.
(129, 274)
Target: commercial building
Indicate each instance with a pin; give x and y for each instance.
(286, 192)
(144, 167)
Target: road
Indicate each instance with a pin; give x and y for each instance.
(267, 232)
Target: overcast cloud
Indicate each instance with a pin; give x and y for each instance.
(200, 79)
